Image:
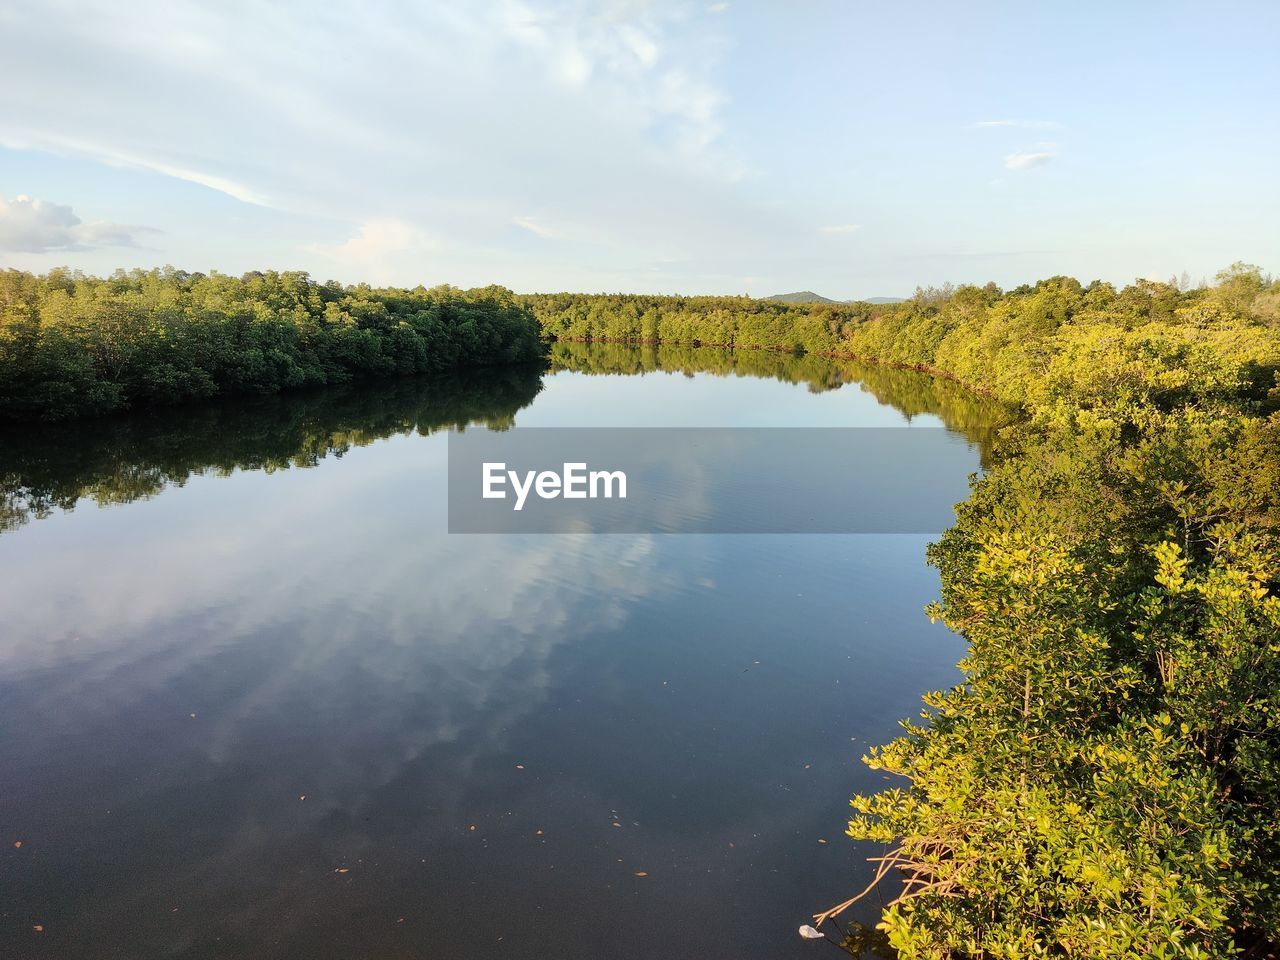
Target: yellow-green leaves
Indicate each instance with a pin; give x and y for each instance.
(1105, 782)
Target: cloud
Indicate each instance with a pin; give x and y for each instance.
(642, 45)
(58, 143)
(839, 228)
(533, 226)
(609, 107)
(1023, 124)
(30, 225)
(1025, 161)
(718, 7)
(607, 123)
(381, 251)
(623, 52)
(231, 188)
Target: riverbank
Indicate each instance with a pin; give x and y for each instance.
(72, 345)
(1112, 751)
(1103, 782)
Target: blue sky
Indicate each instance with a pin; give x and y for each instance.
(856, 149)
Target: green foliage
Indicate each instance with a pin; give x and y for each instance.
(697, 321)
(73, 345)
(1058, 347)
(1105, 781)
(1055, 348)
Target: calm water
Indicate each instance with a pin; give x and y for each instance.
(252, 710)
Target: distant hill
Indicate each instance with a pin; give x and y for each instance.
(804, 296)
(808, 296)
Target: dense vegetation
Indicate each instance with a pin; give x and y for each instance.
(1106, 780)
(697, 321)
(72, 345)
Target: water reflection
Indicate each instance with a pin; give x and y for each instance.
(121, 459)
(277, 712)
(910, 394)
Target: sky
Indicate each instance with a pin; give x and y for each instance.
(854, 148)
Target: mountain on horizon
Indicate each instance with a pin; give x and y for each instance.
(802, 296)
(808, 296)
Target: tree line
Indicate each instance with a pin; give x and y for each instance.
(733, 322)
(1105, 780)
(73, 345)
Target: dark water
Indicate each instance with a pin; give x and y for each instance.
(252, 710)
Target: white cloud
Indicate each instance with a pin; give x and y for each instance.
(420, 110)
(644, 48)
(533, 226)
(397, 145)
(383, 251)
(58, 143)
(574, 66)
(30, 225)
(718, 7)
(621, 56)
(1022, 124)
(1025, 161)
(839, 228)
(231, 188)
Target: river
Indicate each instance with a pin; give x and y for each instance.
(256, 702)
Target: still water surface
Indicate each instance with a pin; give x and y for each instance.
(254, 702)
